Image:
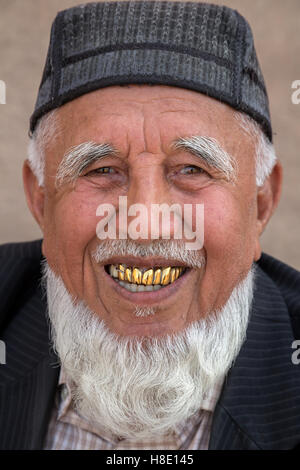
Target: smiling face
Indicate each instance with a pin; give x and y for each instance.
(142, 123)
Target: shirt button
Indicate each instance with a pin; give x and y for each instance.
(64, 392)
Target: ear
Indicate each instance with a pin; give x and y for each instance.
(268, 197)
(34, 194)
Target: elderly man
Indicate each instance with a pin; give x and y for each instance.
(156, 344)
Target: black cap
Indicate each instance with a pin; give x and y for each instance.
(198, 46)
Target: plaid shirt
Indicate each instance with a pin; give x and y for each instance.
(69, 431)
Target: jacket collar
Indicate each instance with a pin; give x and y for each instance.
(259, 407)
(29, 378)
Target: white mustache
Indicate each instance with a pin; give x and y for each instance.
(167, 249)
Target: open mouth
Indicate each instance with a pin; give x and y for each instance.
(144, 279)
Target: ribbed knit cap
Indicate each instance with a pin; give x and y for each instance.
(198, 46)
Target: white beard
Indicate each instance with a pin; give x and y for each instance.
(143, 387)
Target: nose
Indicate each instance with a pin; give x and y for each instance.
(149, 200)
(147, 183)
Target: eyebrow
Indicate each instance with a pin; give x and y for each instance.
(80, 157)
(210, 151)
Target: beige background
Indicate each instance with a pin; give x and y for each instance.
(24, 34)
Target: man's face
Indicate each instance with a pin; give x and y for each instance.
(141, 122)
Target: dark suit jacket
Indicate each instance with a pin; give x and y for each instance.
(259, 407)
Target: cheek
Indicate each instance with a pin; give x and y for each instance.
(70, 229)
(228, 229)
(228, 245)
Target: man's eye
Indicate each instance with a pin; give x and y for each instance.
(191, 170)
(105, 170)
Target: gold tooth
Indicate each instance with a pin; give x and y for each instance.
(136, 276)
(150, 276)
(165, 276)
(181, 271)
(172, 275)
(157, 274)
(121, 272)
(128, 274)
(147, 277)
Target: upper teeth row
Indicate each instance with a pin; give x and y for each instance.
(147, 277)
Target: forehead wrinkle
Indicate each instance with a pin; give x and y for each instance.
(79, 157)
(177, 111)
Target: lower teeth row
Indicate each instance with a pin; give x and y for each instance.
(138, 288)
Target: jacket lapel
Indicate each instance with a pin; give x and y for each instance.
(259, 407)
(29, 378)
